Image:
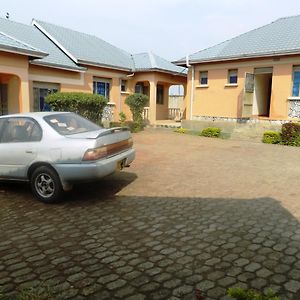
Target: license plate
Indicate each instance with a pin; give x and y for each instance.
(121, 164)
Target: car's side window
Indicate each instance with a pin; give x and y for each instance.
(18, 130)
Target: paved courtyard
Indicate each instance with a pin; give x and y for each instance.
(190, 213)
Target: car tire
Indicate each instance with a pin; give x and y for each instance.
(46, 185)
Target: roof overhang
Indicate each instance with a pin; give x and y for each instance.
(55, 66)
(20, 51)
(106, 66)
(162, 71)
(240, 57)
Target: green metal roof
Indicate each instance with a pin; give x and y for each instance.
(28, 35)
(150, 61)
(277, 38)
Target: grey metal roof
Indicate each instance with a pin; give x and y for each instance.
(86, 48)
(150, 61)
(11, 44)
(29, 35)
(277, 38)
(91, 50)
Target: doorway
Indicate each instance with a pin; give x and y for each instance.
(3, 99)
(262, 91)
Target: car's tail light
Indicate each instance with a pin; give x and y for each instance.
(95, 154)
(108, 150)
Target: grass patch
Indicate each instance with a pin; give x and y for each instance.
(39, 292)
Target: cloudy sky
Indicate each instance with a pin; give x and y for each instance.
(170, 28)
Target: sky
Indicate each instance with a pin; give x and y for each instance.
(170, 28)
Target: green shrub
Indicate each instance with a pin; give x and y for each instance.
(242, 294)
(214, 132)
(272, 137)
(87, 105)
(136, 103)
(291, 134)
(180, 130)
(122, 118)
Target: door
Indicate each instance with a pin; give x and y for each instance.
(262, 91)
(19, 141)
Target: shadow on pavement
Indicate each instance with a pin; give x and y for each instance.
(148, 247)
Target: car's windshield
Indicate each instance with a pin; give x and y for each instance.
(70, 123)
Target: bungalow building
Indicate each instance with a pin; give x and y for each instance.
(253, 76)
(40, 58)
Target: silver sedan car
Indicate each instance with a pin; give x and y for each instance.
(54, 150)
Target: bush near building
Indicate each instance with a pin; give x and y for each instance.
(214, 132)
(136, 103)
(289, 135)
(90, 106)
(272, 137)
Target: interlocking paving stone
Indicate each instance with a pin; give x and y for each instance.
(106, 242)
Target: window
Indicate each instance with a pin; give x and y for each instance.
(16, 130)
(123, 85)
(232, 76)
(101, 86)
(203, 78)
(296, 82)
(70, 123)
(40, 91)
(160, 94)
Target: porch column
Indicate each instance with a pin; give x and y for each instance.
(152, 101)
(24, 98)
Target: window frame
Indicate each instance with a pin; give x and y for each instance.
(106, 82)
(205, 78)
(230, 76)
(296, 69)
(123, 85)
(26, 119)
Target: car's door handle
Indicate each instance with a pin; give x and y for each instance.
(29, 151)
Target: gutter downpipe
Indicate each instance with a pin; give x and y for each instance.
(192, 87)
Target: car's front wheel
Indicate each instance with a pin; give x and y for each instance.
(46, 185)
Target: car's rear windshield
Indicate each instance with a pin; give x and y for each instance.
(70, 123)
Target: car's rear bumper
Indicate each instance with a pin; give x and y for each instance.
(87, 171)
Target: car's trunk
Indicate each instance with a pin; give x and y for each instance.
(116, 139)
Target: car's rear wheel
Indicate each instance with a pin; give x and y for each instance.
(46, 185)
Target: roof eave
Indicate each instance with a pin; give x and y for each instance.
(101, 65)
(56, 66)
(15, 50)
(162, 71)
(245, 56)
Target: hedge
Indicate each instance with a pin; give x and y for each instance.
(87, 105)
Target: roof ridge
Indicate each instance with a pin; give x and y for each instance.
(152, 59)
(80, 32)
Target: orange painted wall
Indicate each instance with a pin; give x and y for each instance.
(218, 99)
(223, 101)
(281, 90)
